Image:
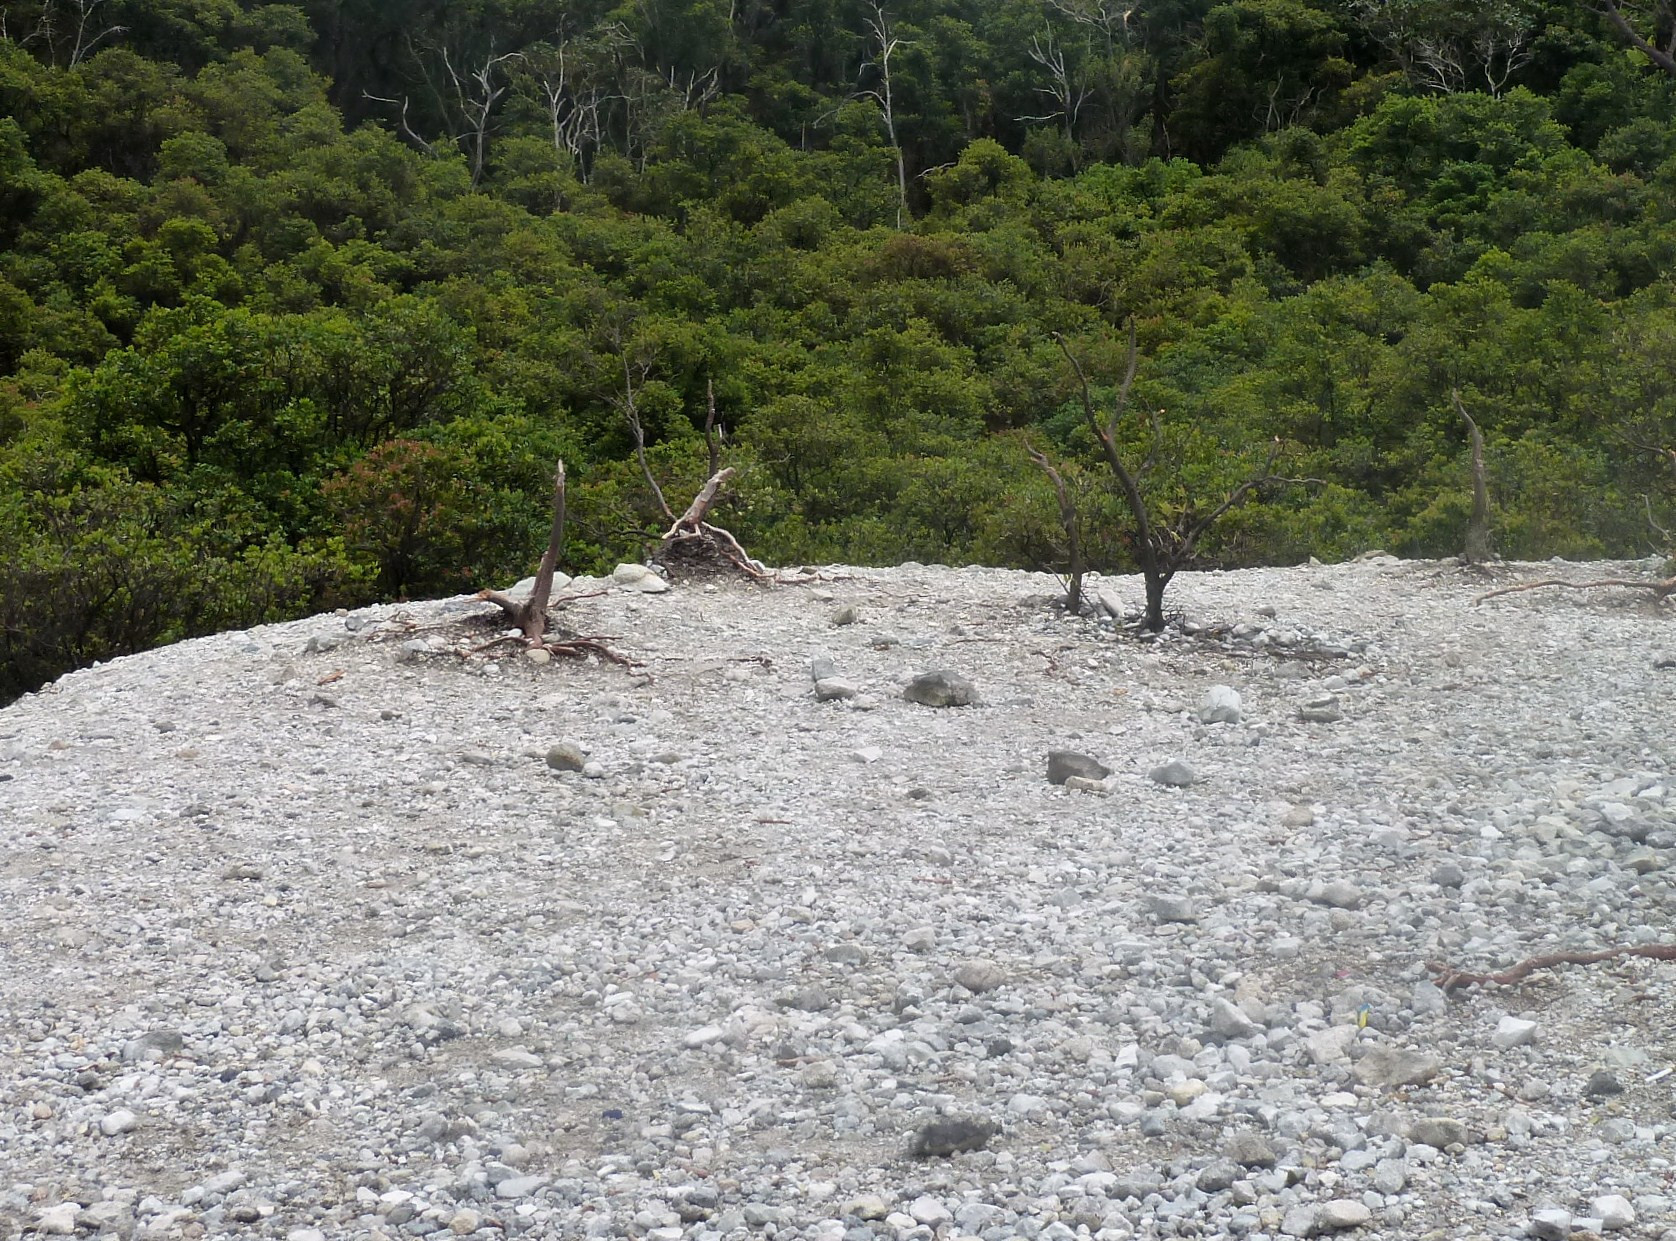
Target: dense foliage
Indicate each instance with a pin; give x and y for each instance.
(299, 302)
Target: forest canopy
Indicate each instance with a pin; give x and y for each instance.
(299, 303)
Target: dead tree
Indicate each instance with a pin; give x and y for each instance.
(878, 26)
(691, 545)
(1161, 547)
(530, 615)
(1478, 524)
(694, 547)
(1071, 519)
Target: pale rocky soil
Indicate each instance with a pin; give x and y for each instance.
(304, 936)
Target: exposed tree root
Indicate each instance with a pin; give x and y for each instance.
(693, 547)
(1662, 588)
(1449, 979)
(530, 615)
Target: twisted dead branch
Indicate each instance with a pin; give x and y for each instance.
(1449, 979)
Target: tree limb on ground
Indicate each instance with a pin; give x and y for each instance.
(1662, 588)
(1449, 979)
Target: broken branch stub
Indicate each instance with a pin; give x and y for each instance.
(530, 615)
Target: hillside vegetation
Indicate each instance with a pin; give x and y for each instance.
(300, 302)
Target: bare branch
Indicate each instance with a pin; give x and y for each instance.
(1449, 979)
(713, 433)
(406, 129)
(1069, 519)
(1664, 57)
(1662, 589)
(632, 412)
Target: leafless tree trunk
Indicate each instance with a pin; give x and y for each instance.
(878, 25)
(530, 615)
(1478, 524)
(476, 92)
(1064, 87)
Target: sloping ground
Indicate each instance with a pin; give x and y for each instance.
(305, 936)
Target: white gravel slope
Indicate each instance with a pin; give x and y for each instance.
(314, 943)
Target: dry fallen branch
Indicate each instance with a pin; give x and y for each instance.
(1449, 979)
(1662, 588)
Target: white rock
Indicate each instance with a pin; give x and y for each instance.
(119, 1121)
(638, 577)
(1513, 1032)
(1220, 705)
(929, 1211)
(1613, 1211)
(703, 1036)
(58, 1221)
(1332, 1045)
(1340, 1214)
(1551, 1224)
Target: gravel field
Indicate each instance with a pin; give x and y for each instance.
(322, 930)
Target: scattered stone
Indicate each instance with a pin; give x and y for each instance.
(1175, 774)
(1338, 893)
(566, 756)
(834, 689)
(952, 1136)
(1081, 784)
(1173, 908)
(1513, 1032)
(119, 1121)
(1220, 705)
(1439, 1131)
(1448, 875)
(1251, 1150)
(941, 689)
(638, 577)
(155, 1045)
(929, 1211)
(1299, 1221)
(1322, 709)
(866, 1207)
(1613, 1211)
(1217, 1177)
(1340, 1214)
(979, 977)
(1551, 1224)
(920, 939)
(1332, 1045)
(58, 1221)
(846, 615)
(1063, 765)
(1228, 1021)
(1602, 1084)
(1391, 1067)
